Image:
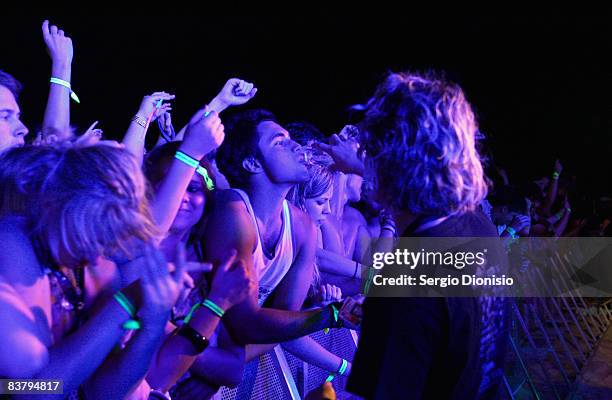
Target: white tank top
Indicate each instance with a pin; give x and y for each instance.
(271, 272)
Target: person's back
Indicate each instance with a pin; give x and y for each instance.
(426, 347)
(421, 135)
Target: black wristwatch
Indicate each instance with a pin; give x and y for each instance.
(199, 342)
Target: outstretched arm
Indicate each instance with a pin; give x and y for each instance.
(247, 322)
(134, 139)
(235, 92)
(57, 113)
(205, 133)
(551, 195)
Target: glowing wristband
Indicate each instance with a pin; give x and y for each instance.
(157, 106)
(66, 84)
(190, 314)
(341, 371)
(334, 312)
(343, 367)
(555, 175)
(125, 303)
(192, 162)
(218, 311)
(131, 325)
(210, 185)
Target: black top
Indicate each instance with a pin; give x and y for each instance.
(427, 348)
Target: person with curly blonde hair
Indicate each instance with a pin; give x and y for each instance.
(419, 132)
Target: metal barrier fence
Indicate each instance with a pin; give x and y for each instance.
(279, 375)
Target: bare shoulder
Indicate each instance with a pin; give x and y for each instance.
(229, 207)
(354, 216)
(227, 196)
(304, 229)
(18, 262)
(229, 224)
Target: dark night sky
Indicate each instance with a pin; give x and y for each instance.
(540, 85)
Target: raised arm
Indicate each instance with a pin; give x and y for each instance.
(134, 139)
(205, 133)
(552, 190)
(57, 113)
(345, 157)
(235, 92)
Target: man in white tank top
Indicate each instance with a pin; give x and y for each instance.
(276, 240)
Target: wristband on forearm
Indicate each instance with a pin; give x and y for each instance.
(126, 304)
(341, 371)
(334, 313)
(214, 308)
(193, 163)
(67, 85)
(140, 121)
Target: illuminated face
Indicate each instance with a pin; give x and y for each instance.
(319, 207)
(192, 205)
(12, 130)
(281, 157)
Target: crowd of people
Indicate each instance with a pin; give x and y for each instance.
(133, 273)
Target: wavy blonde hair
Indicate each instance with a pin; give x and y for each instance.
(420, 133)
(321, 180)
(95, 197)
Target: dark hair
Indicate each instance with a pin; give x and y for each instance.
(241, 140)
(303, 132)
(9, 82)
(158, 162)
(156, 166)
(21, 177)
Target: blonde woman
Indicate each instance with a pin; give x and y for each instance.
(63, 210)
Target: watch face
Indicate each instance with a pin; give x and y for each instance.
(199, 342)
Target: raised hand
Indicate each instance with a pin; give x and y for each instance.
(235, 92)
(344, 153)
(558, 166)
(91, 136)
(520, 222)
(59, 46)
(204, 133)
(148, 106)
